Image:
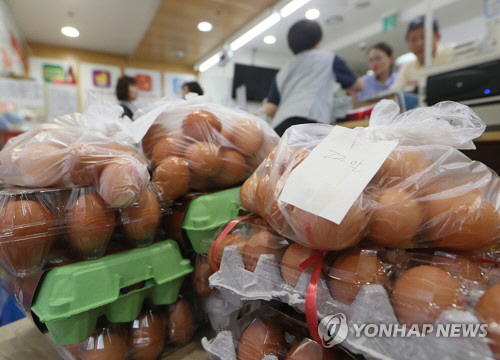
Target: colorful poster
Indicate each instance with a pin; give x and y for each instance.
(173, 83)
(148, 85)
(99, 79)
(52, 71)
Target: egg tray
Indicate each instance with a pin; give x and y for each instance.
(71, 298)
(223, 345)
(371, 305)
(79, 351)
(207, 213)
(25, 248)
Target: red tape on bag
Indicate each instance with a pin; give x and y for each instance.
(230, 226)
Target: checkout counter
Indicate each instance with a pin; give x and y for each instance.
(475, 82)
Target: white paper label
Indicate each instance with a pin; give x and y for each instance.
(335, 173)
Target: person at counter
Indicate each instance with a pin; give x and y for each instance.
(302, 91)
(191, 87)
(409, 73)
(381, 62)
(126, 92)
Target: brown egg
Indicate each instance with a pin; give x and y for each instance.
(228, 240)
(351, 270)
(105, 344)
(262, 194)
(204, 159)
(308, 349)
(201, 125)
(294, 255)
(90, 225)
(396, 220)
(261, 338)
(26, 235)
(120, 183)
(487, 308)
(268, 147)
(246, 136)
(42, 165)
(168, 146)
(321, 234)
(420, 294)
(464, 222)
(458, 267)
(148, 336)
(172, 177)
(180, 322)
(233, 168)
(154, 134)
(400, 165)
(248, 193)
(141, 219)
(201, 274)
(261, 243)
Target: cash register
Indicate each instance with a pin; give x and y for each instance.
(474, 82)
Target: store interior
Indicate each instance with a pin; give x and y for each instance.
(249, 179)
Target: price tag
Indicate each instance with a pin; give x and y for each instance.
(335, 173)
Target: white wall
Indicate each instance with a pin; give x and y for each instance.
(7, 25)
(217, 81)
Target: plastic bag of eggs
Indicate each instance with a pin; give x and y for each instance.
(200, 145)
(424, 195)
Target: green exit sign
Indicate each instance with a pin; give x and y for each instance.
(389, 22)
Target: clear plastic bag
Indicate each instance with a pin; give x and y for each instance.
(95, 148)
(201, 145)
(426, 194)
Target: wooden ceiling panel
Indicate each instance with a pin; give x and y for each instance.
(174, 28)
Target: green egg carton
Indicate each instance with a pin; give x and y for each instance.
(71, 298)
(207, 213)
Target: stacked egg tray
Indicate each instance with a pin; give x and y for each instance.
(270, 333)
(371, 305)
(205, 214)
(54, 226)
(120, 305)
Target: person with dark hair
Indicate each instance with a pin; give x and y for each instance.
(303, 89)
(409, 73)
(126, 92)
(191, 87)
(381, 63)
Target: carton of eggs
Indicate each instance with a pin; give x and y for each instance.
(199, 145)
(72, 224)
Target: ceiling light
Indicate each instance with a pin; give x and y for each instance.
(70, 31)
(255, 31)
(204, 26)
(207, 64)
(270, 39)
(312, 14)
(292, 6)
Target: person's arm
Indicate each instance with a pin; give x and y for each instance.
(273, 100)
(270, 109)
(346, 77)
